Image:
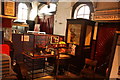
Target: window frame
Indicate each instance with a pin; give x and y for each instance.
(88, 3)
(78, 8)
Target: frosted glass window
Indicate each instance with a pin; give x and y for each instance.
(87, 9)
(82, 11)
(22, 11)
(86, 16)
(80, 16)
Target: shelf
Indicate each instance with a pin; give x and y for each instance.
(10, 17)
(20, 24)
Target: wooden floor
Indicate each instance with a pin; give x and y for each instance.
(70, 76)
(45, 76)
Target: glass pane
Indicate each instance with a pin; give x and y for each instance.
(80, 16)
(81, 10)
(25, 14)
(25, 6)
(73, 35)
(88, 35)
(22, 11)
(87, 10)
(86, 16)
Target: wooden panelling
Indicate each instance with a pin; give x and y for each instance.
(113, 14)
(104, 42)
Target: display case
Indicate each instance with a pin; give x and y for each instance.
(80, 33)
(38, 49)
(39, 52)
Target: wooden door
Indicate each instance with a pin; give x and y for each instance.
(104, 42)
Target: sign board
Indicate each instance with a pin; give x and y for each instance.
(107, 15)
(9, 8)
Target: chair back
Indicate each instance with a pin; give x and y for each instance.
(4, 49)
(90, 64)
(5, 66)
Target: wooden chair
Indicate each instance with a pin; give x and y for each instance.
(6, 72)
(87, 73)
(73, 69)
(89, 69)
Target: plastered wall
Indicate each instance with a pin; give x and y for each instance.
(64, 10)
(33, 12)
(106, 5)
(63, 13)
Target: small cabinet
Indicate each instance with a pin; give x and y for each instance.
(80, 33)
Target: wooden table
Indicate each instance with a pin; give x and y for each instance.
(36, 57)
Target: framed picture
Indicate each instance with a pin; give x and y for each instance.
(71, 49)
(74, 33)
(9, 8)
(54, 40)
(114, 63)
(80, 33)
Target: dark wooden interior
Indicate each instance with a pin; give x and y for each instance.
(67, 48)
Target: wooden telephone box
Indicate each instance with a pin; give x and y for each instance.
(80, 33)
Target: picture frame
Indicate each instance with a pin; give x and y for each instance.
(71, 49)
(54, 40)
(114, 63)
(80, 33)
(9, 8)
(74, 31)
